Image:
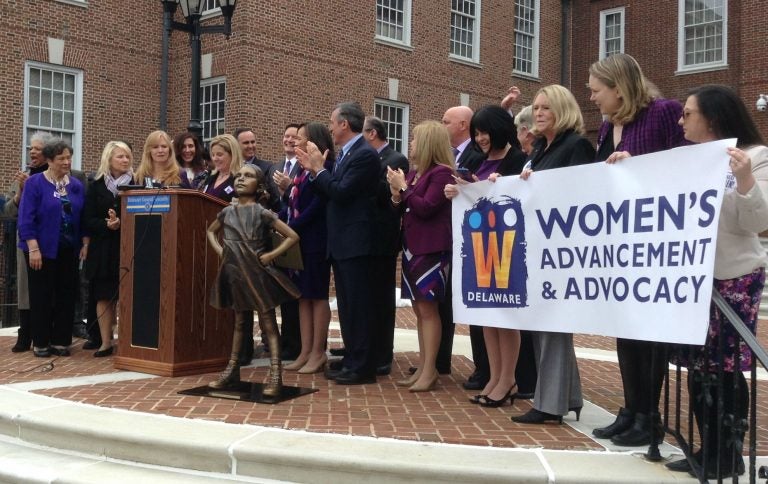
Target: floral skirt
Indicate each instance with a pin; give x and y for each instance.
(743, 295)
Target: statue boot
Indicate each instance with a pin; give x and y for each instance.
(274, 384)
(231, 374)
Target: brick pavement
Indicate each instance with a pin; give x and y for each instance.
(380, 410)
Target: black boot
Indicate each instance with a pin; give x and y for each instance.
(24, 340)
(623, 422)
(637, 435)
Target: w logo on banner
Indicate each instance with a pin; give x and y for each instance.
(494, 273)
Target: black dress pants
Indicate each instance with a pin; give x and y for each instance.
(479, 353)
(642, 373)
(290, 332)
(353, 293)
(445, 351)
(383, 270)
(52, 293)
(525, 372)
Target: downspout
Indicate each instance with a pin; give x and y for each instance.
(565, 36)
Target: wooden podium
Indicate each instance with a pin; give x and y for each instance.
(166, 325)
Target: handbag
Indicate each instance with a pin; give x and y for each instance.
(290, 259)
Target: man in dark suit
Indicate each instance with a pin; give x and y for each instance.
(386, 245)
(347, 188)
(282, 176)
(247, 141)
(467, 155)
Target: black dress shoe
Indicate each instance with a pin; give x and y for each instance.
(59, 351)
(476, 381)
(103, 353)
(638, 435)
(354, 378)
(522, 396)
(338, 352)
(21, 347)
(623, 422)
(335, 365)
(681, 465)
(534, 416)
(332, 374)
(384, 370)
(91, 345)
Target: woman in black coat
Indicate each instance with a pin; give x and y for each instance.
(102, 205)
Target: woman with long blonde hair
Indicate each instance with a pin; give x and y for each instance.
(158, 161)
(427, 239)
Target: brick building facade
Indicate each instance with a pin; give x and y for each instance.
(91, 69)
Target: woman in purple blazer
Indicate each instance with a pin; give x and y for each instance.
(427, 239)
(51, 239)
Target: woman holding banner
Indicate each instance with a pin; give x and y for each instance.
(713, 113)
(637, 122)
(559, 125)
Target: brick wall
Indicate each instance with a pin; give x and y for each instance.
(651, 32)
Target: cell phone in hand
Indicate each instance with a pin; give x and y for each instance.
(464, 174)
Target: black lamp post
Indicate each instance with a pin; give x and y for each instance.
(193, 10)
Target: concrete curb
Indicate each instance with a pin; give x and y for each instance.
(250, 453)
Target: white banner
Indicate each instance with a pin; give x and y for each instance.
(621, 250)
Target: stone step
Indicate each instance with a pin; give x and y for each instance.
(135, 447)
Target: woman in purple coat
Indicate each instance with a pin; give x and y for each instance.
(52, 242)
(637, 122)
(427, 239)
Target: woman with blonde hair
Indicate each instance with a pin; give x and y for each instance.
(158, 162)
(427, 239)
(100, 219)
(559, 125)
(636, 122)
(227, 160)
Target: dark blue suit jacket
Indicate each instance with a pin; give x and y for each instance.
(310, 224)
(350, 209)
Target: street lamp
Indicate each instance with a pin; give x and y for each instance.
(192, 10)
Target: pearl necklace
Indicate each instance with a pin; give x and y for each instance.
(61, 184)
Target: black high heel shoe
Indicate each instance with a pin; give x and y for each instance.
(534, 416)
(477, 398)
(577, 410)
(486, 401)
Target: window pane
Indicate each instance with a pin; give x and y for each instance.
(463, 28)
(525, 36)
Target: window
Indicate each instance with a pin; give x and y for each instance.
(526, 38)
(213, 100)
(393, 21)
(702, 35)
(465, 30)
(395, 118)
(53, 101)
(210, 8)
(611, 32)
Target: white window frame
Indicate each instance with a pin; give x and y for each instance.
(603, 16)
(220, 121)
(211, 12)
(77, 3)
(475, 58)
(535, 47)
(386, 103)
(77, 131)
(704, 66)
(406, 40)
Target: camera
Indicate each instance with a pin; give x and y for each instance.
(762, 103)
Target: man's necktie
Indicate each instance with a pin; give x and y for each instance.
(338, 161)
(455, 154)
(287, 168)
